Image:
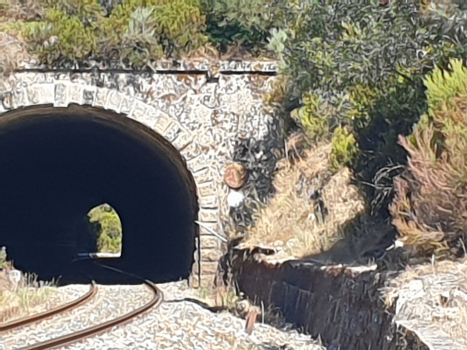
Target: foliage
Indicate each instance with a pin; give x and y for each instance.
(132, 35)
(344, 148)
(444, 86)
(58, 36)
(148, 29)
(361, 65)
(87, 11)
(244, 23)
(430, 206)
(136, 31)
(106, 224)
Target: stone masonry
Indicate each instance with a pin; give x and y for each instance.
(203, 110)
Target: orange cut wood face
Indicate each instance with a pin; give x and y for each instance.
(235, 176)
(250, 321)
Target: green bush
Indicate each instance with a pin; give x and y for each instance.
(361, 66)
(344, 148)
(245, 23)
(136, 31)
(143, 30)
(107, 226)
(87, 11)
(444, 87)
(57, 36)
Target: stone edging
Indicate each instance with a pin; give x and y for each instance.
(211, 67)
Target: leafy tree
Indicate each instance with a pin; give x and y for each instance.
(360, 65)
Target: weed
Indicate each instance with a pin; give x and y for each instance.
(19, 296)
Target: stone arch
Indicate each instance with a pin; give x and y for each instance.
(25, 92)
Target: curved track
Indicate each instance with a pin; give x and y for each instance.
(80, 335)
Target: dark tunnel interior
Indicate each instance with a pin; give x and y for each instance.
(58, 163)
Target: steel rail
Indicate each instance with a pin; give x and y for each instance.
(80, 335)
(55, 311)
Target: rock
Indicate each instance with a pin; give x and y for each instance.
(235, 175)
(235, 199)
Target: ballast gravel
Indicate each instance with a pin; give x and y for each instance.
(176, 324)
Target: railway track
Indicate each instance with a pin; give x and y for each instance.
(49, 313)
(157, 298)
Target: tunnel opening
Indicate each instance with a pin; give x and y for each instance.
(103, 234)
(58, 163)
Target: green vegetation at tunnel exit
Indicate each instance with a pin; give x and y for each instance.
(106, 225)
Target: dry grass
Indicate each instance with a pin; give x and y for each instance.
(26, 10)
(223, 295)
(13, 50)
(13, 54)
(431, 301)
(21, 299)
(310, 206)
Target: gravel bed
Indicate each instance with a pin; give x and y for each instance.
(110, 302)
(179, 324)
(176, 324)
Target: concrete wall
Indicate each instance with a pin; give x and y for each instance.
(207, 112)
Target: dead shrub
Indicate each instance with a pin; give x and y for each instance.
(26, 10)
(430, 206)
(13, 54)
(21, 296)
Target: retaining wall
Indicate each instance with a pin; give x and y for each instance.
(342, 306)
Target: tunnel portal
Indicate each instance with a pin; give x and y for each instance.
(58, 163)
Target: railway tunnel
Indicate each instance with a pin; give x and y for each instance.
(58, 163)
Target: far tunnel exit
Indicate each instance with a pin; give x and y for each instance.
(100, 232)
